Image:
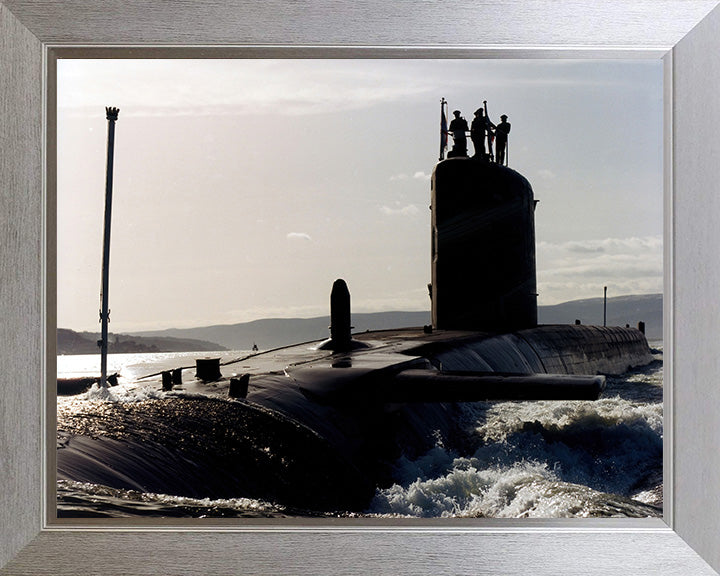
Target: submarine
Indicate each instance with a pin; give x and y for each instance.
(317, 427)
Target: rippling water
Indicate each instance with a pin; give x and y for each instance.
(546, 460)
(521, 459)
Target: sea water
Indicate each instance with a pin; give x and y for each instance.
(131, 366)
(545, 460)
(540, 459)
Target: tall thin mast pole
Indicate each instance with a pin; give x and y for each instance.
(112, 116)
(443, 129)
(605, 306)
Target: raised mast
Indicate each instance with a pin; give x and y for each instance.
(112, 116)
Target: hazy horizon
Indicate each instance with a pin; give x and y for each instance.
(327, 314)
(244, 188)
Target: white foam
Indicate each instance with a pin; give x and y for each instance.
(548, 459)
(505, 418)
(524, 490)
(126, 392)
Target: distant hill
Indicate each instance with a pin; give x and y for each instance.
(621, 310)
(275, 332)
(70, 342)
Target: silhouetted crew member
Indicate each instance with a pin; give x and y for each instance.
(489, 131)
(458, 128)
(501, 134)
(480, 127)
(477, 132)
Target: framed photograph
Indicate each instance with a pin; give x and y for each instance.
(677, 541)
(364, 153)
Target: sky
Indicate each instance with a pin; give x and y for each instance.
(244, 188)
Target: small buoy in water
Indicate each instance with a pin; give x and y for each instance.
(239, 386)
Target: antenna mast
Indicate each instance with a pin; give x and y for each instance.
(443, 128)
(112, 116)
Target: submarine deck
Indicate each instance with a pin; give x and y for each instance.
(547, 349)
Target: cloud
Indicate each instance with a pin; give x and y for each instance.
(581, 248)
(252, 86)
(409, 210)
(546, 174)
(419, 175)
(580, 269)
(633, 244)
(299, 236)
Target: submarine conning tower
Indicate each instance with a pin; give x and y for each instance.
(483, 247)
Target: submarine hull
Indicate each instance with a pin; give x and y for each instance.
(319, 430)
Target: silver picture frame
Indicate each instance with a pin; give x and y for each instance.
(683, 33)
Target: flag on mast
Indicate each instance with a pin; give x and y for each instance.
(443, 128)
